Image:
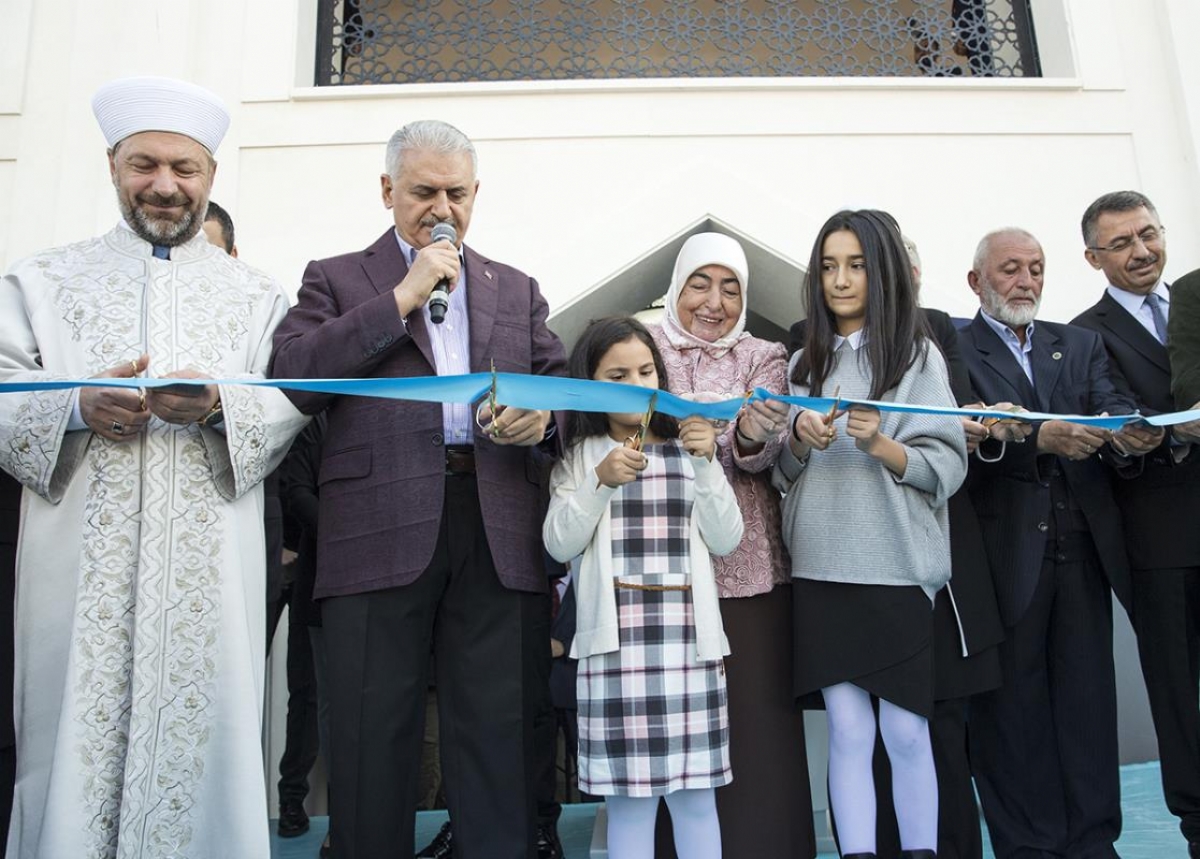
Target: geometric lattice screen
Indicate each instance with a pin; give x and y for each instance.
(424, 41)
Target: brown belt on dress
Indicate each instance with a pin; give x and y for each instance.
(629, 586)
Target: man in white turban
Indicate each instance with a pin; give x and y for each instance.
(139, 676)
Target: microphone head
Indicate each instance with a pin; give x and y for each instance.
(444, 232)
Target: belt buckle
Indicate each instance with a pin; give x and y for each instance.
(459, 462)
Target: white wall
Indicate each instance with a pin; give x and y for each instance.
(610, 167)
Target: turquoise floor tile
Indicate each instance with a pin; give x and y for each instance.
(1150, 832)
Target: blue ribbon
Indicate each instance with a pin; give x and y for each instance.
(582, 395)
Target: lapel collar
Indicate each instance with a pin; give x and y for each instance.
(385, 267)
(1121, 323)
(384, 263)
(1047, 358)
(483, 298)
(997, 356)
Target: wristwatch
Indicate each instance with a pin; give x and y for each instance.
(215, 415)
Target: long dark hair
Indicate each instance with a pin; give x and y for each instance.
(600, 336)
(895, 328)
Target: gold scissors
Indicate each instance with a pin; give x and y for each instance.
(636, 441)
(492, 428)
(991, 420)
(837, 404)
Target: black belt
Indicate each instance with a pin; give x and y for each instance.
(460, 460)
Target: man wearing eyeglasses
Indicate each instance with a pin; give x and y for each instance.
(1160, 492)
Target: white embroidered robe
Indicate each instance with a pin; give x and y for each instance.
(140, 574)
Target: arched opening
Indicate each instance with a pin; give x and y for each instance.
(774, 289)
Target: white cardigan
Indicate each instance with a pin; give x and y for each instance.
(579, 520)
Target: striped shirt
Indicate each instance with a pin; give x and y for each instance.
(451, 342)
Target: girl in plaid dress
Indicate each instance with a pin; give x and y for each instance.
(645, 505)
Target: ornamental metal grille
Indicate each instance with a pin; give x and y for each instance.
(430, 41)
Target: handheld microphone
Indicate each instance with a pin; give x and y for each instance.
(439, 299)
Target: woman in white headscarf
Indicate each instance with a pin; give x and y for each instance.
(766, 810)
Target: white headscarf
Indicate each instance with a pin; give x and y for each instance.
(132, 105)
(698, 251)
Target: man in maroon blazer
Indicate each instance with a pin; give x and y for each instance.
(430, 522)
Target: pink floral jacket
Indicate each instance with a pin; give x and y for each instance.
(760, 561)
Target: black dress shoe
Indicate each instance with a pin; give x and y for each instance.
(548, 845)
(293, 820)
(442, 845)
(918, 854)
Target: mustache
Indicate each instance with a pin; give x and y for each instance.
(153, 199)
(432, 222)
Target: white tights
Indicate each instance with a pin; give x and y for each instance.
(693, 820)
(852, 783)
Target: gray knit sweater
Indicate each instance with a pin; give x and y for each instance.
(846, 518)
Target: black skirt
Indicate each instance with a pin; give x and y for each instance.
(955, 675)
(878, 637)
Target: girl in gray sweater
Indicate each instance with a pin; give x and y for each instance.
(865, 522)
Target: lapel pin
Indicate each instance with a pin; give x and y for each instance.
(1057, 356)
(487, 274)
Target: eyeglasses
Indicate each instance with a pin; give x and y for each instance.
(1148, 236)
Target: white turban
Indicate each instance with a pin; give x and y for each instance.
(698, 251)
(133, 105)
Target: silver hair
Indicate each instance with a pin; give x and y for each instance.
(985, 244)
(432, 135)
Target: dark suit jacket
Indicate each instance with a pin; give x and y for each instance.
(10, 518)
(1160, 499)
(1184, 338)
(971, 585)
(383, 469)
(1012, 496)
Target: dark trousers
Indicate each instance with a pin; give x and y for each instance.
(8, 778)
(1044, 745)
(301, 740)
(1166, 617)
(543, 757)
(378, 647)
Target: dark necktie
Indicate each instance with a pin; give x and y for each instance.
(1154, 302)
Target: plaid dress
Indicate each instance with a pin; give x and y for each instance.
(653, 719)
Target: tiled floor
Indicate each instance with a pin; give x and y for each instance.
(1150, 832)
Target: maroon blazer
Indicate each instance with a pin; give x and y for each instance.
(382, 474)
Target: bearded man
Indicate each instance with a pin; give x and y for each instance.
(1044, 745)
(140, 614)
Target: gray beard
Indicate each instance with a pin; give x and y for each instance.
(165, 233)
(1012, 316)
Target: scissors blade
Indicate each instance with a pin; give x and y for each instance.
(837, 402)
(640, 438)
